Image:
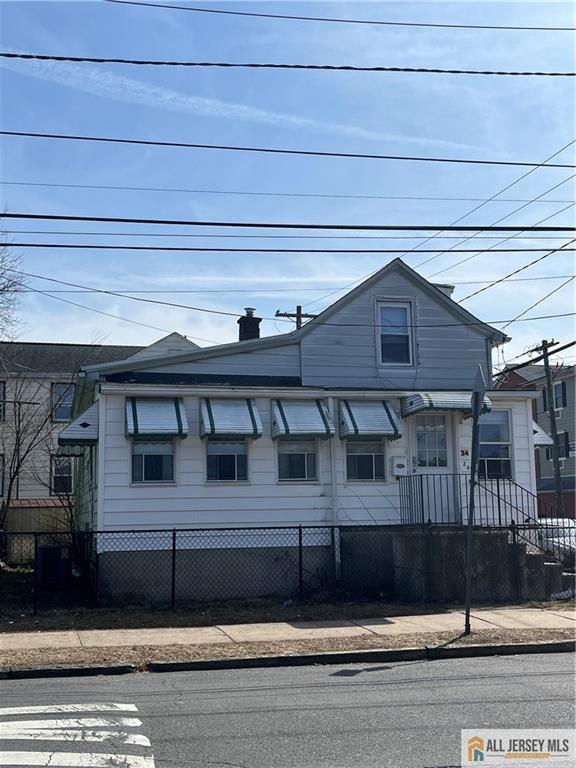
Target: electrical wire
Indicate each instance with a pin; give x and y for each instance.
(284, 225)
(377, 22)
(516, 271)
(254, 65)
(277, 151)
(540, 301)
(202, 249)
(268, 194)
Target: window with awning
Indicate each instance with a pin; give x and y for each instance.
(229, 417)
(301, 418)
(369, 418)
(155, 418)
(442, 401)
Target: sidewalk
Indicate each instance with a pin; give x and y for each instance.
(502, 619)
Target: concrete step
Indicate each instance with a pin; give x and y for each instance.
(553, 579)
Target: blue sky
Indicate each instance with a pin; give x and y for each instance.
(523, 119)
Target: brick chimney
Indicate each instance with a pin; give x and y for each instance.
(249, 325)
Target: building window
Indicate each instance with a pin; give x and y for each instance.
(152, 462)
(559, 396)
(431, 441)
(394, 320)
(2, 400)
(495, 457)
(226, 461)
(297, 460)
(365, 460)
(61, 476)
(563, 445)
(62, 398)
(1, 474)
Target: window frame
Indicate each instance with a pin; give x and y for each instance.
(313, 442)
(54, 407)
(54, 460)
(215, 481)
(360, 441)
(509, 443)
(2, 401)
(559, 394)
(408, 305)
(144, 481)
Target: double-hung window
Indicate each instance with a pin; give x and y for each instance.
(495, 448)
(560, 398)
(297, 459)
(153, 462)
(365, 460)
(62, 399)
(61, 476)
(226, 461)
(395, 331)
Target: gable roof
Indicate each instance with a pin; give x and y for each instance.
(28, 357)
(293, 337)
(173, 344)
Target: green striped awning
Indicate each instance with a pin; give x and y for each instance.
(155, 418)
(369, 418)
(441, 401)
(229, 417)
(301, 418)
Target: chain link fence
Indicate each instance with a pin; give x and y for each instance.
(184, 567)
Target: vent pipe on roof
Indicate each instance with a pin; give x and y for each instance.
(445, 288)
(249, 325)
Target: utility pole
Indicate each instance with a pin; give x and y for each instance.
(298, 315)
(544, 347)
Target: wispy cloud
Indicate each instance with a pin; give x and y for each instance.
(108, 85)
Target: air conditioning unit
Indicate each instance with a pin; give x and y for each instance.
(53, 566)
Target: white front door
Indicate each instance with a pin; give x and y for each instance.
(433, 459)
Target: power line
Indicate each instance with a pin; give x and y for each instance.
(264, 289)
(537, 359)
(285, 225)
(503, 218)
(276, 151)
(269, 194)
(255, 65)
(376, 22)
(469, 258)
(234, 314)
(516, 271)
(540, 301)
(212, 236)
(477, 207)
(176, 248)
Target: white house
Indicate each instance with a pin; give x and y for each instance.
(360, 416)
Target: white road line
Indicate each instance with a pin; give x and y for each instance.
(81, 722)
(61, 708)
(69, 735)
(75, 760)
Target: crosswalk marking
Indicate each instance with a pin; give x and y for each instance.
(81, 722)
(102, 728)
(64, 708)
(75, 760)
(71, 735)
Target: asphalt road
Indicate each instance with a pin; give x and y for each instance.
(406, 715)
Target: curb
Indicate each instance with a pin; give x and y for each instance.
(263, 662)
(61, 670)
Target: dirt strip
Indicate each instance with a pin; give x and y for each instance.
(142, 655)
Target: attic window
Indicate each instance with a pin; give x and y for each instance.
(395, 323)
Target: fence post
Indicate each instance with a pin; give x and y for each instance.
(173, 582)
(35, 586)
(300, 564)
(422, 497)
(515, 562)
(429, 561)
(499, 501)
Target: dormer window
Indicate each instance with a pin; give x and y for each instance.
(395, 327)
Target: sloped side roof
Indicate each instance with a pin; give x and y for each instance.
(19, 358)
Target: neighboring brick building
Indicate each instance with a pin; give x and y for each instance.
(532, 377)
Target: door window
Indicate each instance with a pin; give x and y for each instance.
(431, 447)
